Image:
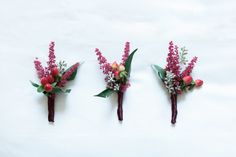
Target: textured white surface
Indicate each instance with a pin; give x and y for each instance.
(87, 126)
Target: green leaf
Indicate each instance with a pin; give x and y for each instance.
(159, 71)
(59, 90)
(123, 74)
(192, 85)
(40, 89)
(72, 76)
(34, 84)
(129, 61)
(54, 84)
(67, 91)
(106, 93)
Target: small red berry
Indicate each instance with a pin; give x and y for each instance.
(50, 79)
(198, 83)
(55, 71)
(44, 81)
(187, 80)
(116, 73)
(48, 87)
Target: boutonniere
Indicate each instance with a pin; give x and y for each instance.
(53, 79)
(176, 76)
(117, 76)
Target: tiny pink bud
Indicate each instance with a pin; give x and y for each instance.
(198, 83)
(187, 80)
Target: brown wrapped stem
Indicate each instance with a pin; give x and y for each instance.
(174, 111)
(51, 105)
(120, 104)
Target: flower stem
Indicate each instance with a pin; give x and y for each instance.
(51, 105)
(120, 109)
(174, 111)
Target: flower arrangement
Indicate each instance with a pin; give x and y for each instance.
(176, 75)
(53, 78)
(117, 76)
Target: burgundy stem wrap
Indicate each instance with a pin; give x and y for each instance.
(120, 109)
(51, 105)
(174, 111)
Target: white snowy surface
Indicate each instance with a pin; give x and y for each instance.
(87, 126)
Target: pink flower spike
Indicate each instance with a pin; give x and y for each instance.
(52, 57)
(106, 67)
(68, 74)
(126, 53)
(189, 68)
(173, 60)
(39, 68)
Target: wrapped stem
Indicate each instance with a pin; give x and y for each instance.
(51, 105)
(174, 111)
(120, 104)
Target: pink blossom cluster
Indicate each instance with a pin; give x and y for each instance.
(189, 68)
(51, 56)
(173, 59)
(106, 67)
(67, 74)
(126, 53)
(39, 68)
(42, 72)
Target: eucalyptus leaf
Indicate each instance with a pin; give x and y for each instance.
(60, 90)
(34, 84)
(40, 89)
(159, 71)
(129, 61)
(106, 93)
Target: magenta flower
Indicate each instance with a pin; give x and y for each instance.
(68, 74)
(189, 68)
(106, 67)
(39, 68)
(173, 59)
(52, 57)
(126, 53)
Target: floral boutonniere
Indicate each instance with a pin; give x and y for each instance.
(176, 75)
(53, 78)
(117, 76)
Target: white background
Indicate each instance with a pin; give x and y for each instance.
(87, 126)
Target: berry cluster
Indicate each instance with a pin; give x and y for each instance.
(47, 81)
